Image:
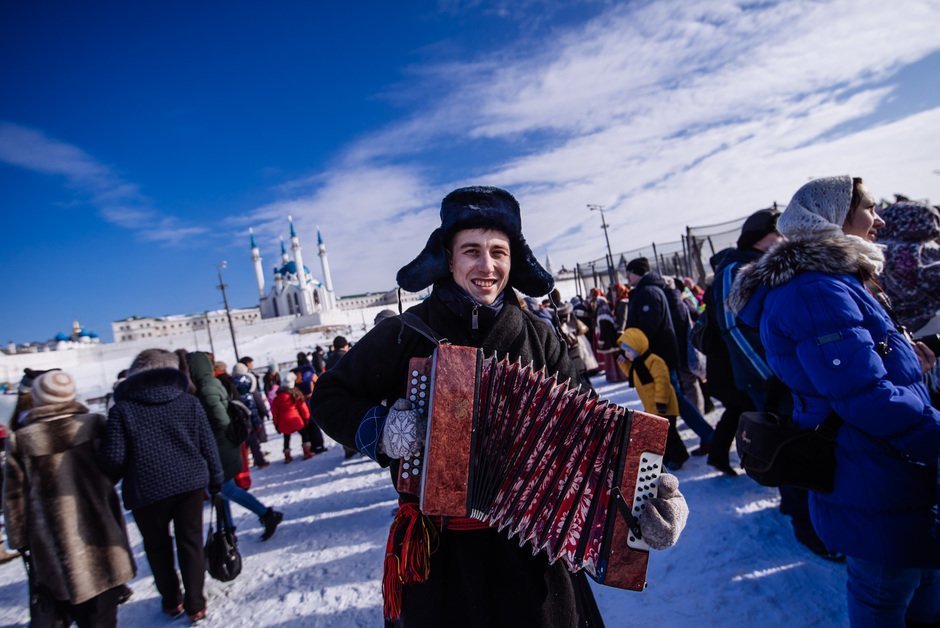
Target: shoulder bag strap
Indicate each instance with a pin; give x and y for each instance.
(414, 321)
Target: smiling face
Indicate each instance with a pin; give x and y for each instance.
(479, 260)
(863, 221)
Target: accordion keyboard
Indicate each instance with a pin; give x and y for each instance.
(418, 392)
(647, 487)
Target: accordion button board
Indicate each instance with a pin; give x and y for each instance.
(645, 489)
(418, 393)
(553, 467)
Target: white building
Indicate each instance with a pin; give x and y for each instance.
(296, 292)
(214, 322)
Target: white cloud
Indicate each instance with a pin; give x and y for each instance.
(671, 113)
(118, 202)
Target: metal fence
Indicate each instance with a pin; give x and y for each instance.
(686, 257)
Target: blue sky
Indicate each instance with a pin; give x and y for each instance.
(138, 144)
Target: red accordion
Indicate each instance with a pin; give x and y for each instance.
(553, 466)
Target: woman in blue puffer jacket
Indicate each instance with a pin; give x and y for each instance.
(835, 346)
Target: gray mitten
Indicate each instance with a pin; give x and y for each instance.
(403, 435)
(664, 517)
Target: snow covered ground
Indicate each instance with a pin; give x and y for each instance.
(736, 564)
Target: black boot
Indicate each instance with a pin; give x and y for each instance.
(270, 520)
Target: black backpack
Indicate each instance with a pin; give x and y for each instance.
(239, 422)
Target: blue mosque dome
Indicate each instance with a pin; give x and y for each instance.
(290, 268)
(60, 337)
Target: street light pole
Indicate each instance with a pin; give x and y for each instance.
(228, 312)
(610, 255)
(209, 332)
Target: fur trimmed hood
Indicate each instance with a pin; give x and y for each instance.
(833, 254)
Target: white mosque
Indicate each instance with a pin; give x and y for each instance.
(296, 292)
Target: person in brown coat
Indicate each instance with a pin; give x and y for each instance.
(61, 508)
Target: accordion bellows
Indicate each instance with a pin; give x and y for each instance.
(552, 466)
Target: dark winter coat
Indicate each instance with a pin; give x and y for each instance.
(290, 413)
(158, 440)
(836, 348)
(334, 358)
(679, 313)
(649, 311)
(215, 398)
(478, 578)
(719, 372)
(745, 351)
(59, 504)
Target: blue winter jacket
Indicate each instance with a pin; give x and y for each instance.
(836, 348)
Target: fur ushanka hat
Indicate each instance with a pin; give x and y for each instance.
(477, 207)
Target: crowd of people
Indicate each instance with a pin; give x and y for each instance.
(62, 513)
(830, 308)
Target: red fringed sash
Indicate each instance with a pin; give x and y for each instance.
(411, 540)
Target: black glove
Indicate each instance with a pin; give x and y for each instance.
(661, 409)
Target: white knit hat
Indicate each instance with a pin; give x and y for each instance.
(53, 387)
(818, 208)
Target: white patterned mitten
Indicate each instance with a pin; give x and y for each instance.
(403, 435)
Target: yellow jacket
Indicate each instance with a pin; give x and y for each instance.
(660, 390)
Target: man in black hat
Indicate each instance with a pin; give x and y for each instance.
(649, 309)
(477, 575)
(751, 373)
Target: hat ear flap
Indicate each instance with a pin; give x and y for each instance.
(527, 275)
(430, 265)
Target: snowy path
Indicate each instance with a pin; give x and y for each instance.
(736, 564)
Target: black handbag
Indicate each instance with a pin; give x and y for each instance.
(774, 451)
(223, 561)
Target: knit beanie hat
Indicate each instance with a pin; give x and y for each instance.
(53, 387)
(30, 376)
(239, 369)
(757, 225)
(818, 208)
(639, 266)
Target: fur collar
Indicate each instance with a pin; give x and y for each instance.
(833, 254)
(49, 410)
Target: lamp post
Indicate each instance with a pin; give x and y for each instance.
(209, 333)
(610, 255)
(228, 312)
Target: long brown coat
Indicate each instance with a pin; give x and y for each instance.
(59, 504)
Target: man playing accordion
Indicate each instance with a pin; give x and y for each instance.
(458, 571)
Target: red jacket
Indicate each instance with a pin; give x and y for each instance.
(290, 414)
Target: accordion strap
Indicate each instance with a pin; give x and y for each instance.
(414, 321)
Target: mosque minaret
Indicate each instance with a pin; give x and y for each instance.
(296, 292)
(256, 262)
(325, 266)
